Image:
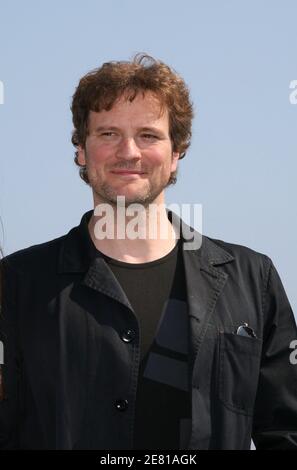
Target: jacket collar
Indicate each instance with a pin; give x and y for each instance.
(78, 251)
(78, 254)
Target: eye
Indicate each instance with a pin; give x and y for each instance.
(150, 136)
(108, 134)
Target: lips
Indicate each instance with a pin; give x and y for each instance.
(127, 172)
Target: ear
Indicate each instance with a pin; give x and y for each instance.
(174, 161)
(81, 156)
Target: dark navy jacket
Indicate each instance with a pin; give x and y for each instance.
(66, 364)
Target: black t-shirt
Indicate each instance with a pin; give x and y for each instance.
(157, 292)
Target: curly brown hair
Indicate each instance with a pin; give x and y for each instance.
(99, 89)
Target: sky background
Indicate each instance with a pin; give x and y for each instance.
(238, 59)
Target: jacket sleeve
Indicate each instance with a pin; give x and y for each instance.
(10, 367)
(275, 417)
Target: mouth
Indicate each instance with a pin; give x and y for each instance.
(127, 172)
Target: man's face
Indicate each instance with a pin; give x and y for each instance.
(128, 152)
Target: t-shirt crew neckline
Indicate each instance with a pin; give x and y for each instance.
(147, 264)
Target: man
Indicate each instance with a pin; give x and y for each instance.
(117, 341)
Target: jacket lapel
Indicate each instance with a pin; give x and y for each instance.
(101, 278)
(205, 283)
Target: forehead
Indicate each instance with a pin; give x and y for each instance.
(144, 110)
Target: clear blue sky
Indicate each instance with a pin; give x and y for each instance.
(238, 58)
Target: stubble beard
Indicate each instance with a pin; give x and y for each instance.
(107, 195)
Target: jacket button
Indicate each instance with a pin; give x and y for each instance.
(121, 405)
(128, 336)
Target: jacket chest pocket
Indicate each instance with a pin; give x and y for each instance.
(239, 366)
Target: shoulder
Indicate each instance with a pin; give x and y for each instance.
(43, 254)
(243, 257)
(236, 249)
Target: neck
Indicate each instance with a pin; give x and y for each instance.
(144, 236)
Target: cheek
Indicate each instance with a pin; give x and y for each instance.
(156, 161)
(159, 157)
(96, 155)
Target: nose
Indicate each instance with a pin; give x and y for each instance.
(128, 149)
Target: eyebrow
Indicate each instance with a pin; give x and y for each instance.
(143, 129)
